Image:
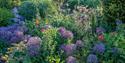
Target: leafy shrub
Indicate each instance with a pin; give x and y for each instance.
(5, 16)
(113, 9)
(28, 10)
(42, 9)
(47, 7)
(90, 3)
(6, 4)
(3, 46)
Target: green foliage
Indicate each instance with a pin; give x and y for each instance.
(3, 46)
(5, 16)
(90, 3)
(28, 10)
(6, 4)
(113, 9)
(47, 7)
(42, 9)
(115, 39)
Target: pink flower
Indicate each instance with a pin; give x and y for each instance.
(101, 37)
(42, 30)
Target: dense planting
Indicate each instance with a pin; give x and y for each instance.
(62, 31)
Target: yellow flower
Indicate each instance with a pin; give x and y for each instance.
(37, 22)
(10, 49)
(5, 57)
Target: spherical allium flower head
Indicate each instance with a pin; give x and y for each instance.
(71, 59)
(64, 33)
(33, 46)
(92, 58)
(99, 48)
(79, 43)
(69, 49)
(67, 34)
(62, 30)
(100, 30)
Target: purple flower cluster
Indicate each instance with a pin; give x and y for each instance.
(99, 48)
(69, 49)
(33, 46)
(79, 44)
(71, 59)
(65, 33)
(13, 33)
(92, 58)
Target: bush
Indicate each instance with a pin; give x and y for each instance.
(5, 16)
(113, 9)
(90, 3)
(42, 9)
(47, 7)
(28, 10)
(6, 4)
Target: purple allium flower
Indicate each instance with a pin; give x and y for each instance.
(71, 59)
(92, 58)
(67, 34)
(100, 30)
(62, 30)
(99, 48)
(33, 46)
(69, 49)
(64, 33)
(79, 43)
